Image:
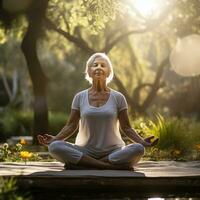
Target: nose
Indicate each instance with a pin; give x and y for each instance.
(99, 66)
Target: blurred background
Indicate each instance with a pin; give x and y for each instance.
(45, 44)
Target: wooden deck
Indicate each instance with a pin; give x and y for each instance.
(163, 178)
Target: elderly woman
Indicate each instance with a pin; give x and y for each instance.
(98, 109)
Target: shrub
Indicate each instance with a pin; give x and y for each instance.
(172, 133)
(15, 123)
(8, 190)
(178, 138)
(57, 121)
(17, 153)
(20, 123)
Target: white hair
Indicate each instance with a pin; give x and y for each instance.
(90, 62)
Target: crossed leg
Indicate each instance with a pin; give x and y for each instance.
(120, 159)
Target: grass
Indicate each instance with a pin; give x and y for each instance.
(9, 190)
(179, 139)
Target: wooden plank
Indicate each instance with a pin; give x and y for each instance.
(150, 178)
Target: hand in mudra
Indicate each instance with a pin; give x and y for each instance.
(150, 143)
(45, 139)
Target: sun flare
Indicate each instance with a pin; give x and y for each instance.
(148, 8)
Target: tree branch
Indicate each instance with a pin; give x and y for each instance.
(110, 45)
(121, 87)
(149, 27)
(77, 41)
(156, 85)
(133, 105)
(137, 90)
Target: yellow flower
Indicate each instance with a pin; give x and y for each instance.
(5, 145)
(18, 145)
(26, 154)
(142, 125)
(23, 141)
(197, 147)
(177, 152)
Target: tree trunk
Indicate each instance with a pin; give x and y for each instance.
(38, 78)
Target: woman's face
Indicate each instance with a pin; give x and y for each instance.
(99, 70)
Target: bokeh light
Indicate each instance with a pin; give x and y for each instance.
(185, 56)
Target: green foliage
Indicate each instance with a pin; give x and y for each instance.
(8, 190)
(20, 123)
(15, 123)
(16, 27)
(16, 153)
(90, 14)
(178, 138)
(171, 133)
(2, 36)
(57, 121)
(186, 17)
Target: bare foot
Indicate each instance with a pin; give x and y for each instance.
(104, 159)
(120, 167)
(112, 166)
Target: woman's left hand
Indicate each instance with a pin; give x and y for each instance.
(46, 139)
(149, 143)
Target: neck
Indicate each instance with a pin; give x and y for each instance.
(99, 86)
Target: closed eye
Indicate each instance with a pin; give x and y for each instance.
(96, 64)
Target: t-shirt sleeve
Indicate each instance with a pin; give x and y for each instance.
(122, 103)
(76, 102)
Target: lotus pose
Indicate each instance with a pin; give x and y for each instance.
(97, 112)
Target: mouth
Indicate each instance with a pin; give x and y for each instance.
(98, 72)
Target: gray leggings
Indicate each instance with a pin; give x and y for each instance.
(67, 152)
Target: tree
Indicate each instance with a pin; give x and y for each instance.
(35, 17)
(113, 37)
(35, 13)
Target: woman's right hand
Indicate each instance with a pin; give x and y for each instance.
(149, 143)
(46, 139)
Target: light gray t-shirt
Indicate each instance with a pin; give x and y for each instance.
(99, 126)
